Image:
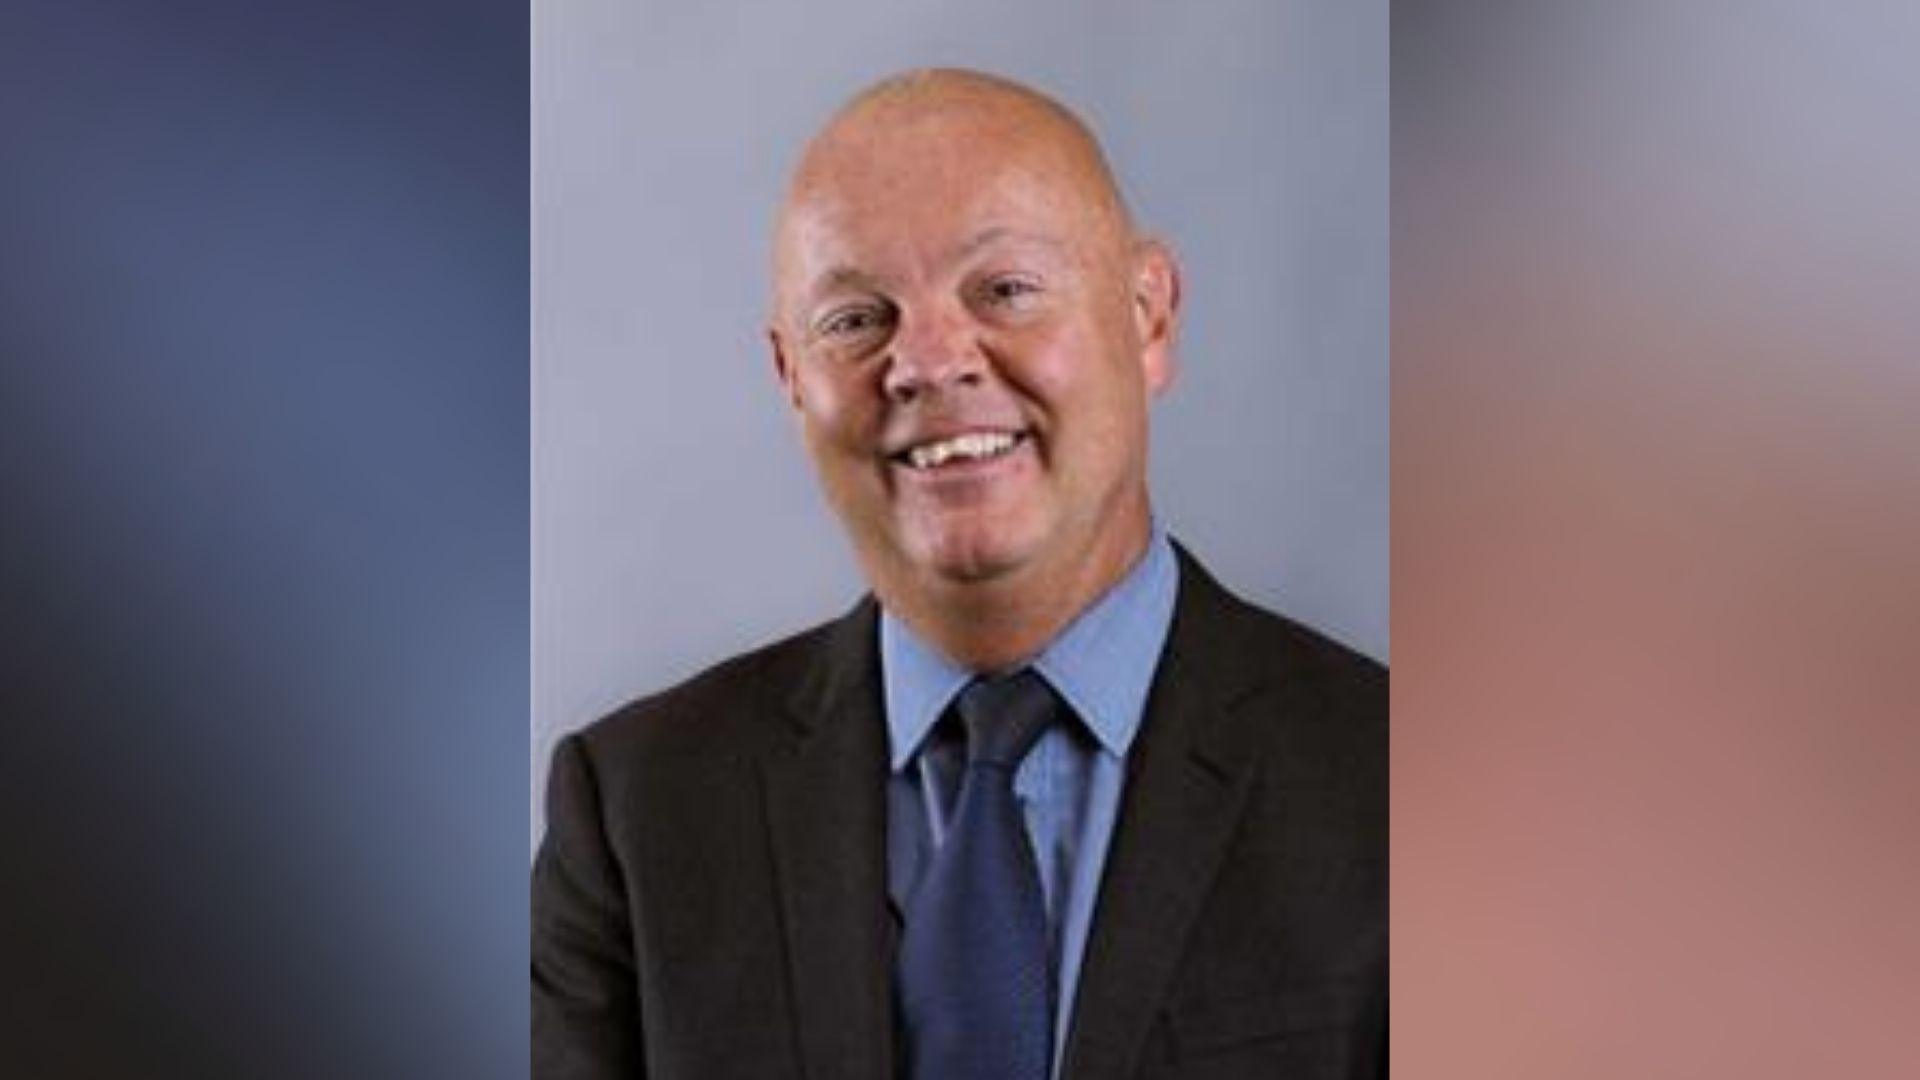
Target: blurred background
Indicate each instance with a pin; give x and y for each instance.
(1656, 509)
(263, 434)
(264, 431)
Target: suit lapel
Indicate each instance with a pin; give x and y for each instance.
(825, 802)
(1187, 783)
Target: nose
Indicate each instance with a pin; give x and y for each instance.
(933, 352)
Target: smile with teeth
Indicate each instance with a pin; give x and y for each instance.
(972, 446)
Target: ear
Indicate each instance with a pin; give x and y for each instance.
(783, 366)
(1156, 311)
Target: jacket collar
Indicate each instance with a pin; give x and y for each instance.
(825, 814)
(1188, 782)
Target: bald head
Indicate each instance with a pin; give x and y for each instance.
(1005, 106)
(942, 129)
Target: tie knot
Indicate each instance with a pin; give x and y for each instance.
(1005, 716)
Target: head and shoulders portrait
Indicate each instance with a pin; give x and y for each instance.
(1044, 791)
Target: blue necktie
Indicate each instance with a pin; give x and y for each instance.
(975, 982)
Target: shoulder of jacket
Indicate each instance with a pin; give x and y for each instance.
(726, 707)
(1259, 633)
(1330, 663)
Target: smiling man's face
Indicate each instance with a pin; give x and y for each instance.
(969, 332)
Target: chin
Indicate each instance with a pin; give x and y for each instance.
(971, 555)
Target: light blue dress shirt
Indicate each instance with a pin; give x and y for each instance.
(1069, 786)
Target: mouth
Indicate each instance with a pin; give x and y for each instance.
(956, 450)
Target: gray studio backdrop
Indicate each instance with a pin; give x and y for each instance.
(675, 519)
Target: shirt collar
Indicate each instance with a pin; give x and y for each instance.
(1102, 663)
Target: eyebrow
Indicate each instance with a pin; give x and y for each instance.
(842, 277)
(993, 234)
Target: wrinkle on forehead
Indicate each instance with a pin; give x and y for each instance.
(980, 123)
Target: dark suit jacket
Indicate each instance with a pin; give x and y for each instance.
(710, 899)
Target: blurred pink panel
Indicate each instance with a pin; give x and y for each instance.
(1656, 544)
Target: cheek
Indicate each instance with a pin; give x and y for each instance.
(838, 412)
(1089, 381)
(1052, 367)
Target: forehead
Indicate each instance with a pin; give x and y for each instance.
(919, 189)
(926, 208)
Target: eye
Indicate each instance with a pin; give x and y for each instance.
(851, 321)
(1009, 290)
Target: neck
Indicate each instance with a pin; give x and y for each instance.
(1005, 621)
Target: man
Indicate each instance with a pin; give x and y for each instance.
(1050, 802)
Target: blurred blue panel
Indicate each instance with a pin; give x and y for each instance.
(263, 436)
